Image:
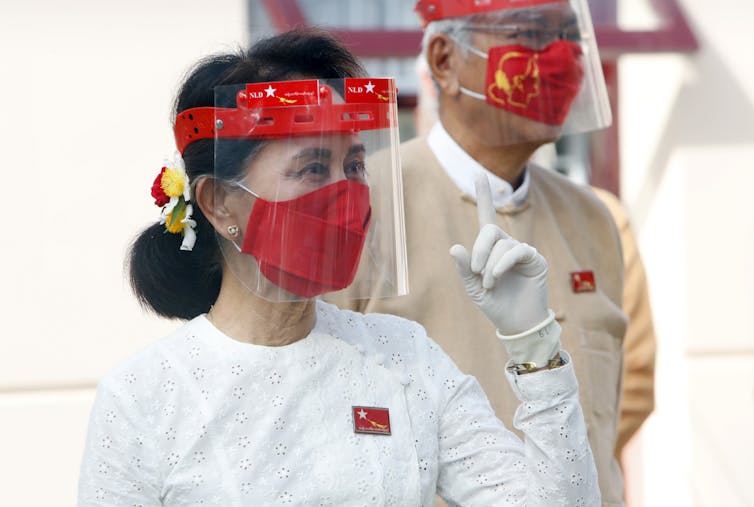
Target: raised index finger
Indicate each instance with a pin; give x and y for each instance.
(485, 209)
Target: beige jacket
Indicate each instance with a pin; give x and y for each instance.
(574, 231)
(639, 345)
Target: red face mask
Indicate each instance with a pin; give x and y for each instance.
(536, 84)
(312, 244)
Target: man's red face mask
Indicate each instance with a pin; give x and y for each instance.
(537, 84)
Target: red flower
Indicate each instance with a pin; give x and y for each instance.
(160, 198)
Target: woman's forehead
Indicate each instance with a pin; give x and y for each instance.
(302, 147)
(327, 141)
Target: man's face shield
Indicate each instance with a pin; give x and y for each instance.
(533, 28)
(307, 175)
(538, 63)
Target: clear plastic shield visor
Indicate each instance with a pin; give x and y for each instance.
(538, 66)
(307, 178)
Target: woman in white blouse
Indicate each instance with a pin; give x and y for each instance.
(268, 395)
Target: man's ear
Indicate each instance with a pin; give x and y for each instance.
(444, 59)
(212, 197)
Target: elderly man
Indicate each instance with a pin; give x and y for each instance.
(511, 76)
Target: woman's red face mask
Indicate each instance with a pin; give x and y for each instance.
(312, 244)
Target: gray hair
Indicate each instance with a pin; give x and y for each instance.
(453, 27)
(458, 28)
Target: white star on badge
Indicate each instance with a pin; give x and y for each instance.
(270, 91)
(370, 87)
(362, 414)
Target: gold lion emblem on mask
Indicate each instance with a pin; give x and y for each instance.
(515, 89)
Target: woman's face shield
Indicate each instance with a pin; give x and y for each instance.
(537, 64)
(308, 187)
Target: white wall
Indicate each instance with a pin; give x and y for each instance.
(85, 94)
(687, 144)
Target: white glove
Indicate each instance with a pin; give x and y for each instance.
(508, 281)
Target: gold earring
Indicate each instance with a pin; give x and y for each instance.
(233, 230)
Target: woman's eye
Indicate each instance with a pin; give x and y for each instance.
(356, 169)
(316, 169)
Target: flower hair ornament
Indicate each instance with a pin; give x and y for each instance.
(171, 192)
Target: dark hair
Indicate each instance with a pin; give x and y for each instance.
(183, 284)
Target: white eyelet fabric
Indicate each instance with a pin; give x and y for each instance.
(199, 419)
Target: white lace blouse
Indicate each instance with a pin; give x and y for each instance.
(201, 419)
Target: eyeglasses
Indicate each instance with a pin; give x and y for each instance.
(530, 36)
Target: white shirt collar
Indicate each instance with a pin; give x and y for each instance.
(462, 169)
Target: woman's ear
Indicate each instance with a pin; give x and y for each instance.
(213, 198)
(443, 60)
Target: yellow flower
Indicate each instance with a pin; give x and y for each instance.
(173, 182)
(175, 226)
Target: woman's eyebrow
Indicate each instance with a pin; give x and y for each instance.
(314, 153)
(356, 149)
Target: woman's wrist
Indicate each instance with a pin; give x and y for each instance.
(531, 367)
(538, 329)
(535, 348)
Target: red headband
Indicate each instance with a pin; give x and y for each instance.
(432, 10)
(291, 108)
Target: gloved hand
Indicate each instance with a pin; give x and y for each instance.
(508, 281)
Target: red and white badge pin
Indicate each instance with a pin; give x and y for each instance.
(372, 420)
(583, 281)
